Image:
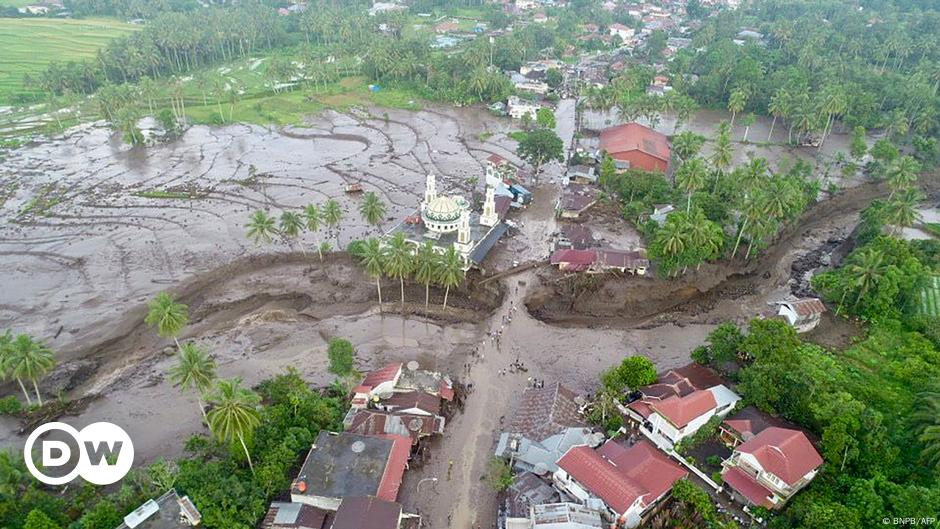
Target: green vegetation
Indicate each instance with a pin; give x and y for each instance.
(499, 474)
(340, 352)
(169, 195)
(633, 373)
(59, 41)
(24, 359)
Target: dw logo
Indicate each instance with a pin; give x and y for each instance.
(101, 453)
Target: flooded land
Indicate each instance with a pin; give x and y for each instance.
(91, 230)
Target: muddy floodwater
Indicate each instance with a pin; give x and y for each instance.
(92, 229)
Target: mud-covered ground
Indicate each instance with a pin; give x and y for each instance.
(81, 254)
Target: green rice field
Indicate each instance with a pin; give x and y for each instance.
(30, 44)
(929, 302)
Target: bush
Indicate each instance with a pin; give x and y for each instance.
(340, 351)
(10, 405)
(499, 475)
(634, 372)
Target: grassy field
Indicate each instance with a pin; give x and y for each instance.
(30, 44)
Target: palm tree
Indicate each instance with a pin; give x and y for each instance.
(6, 358)
(261, 227)
(168, 316)
(704, 235)
(235, 414)
(736, 103)
(723, 155)
(687, 144)
(901, 211)
(314, 217)
(752, 209)
(926, 420)
(425, 267)
(372, 209)
(866, 270)
(373, 259)
(778, 107)
(673, 239)
(690, 178)
(290, 227)
(903, 174)
(332, 216)
(450, 271)
(195, 369)
(29, 360)
(399, 261)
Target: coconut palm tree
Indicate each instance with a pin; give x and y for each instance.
(372, 258)
(426, 262)
(926, 420)
(372, 210)
(314, 217)
(261, 227)
(687, 144)
(234, 415)
(450, 271)
(736, 103)
(194, 370)
(6, 363)
(332, 216)
(168, 316)
(690, 178)
(753, 208)
(866, 270)
(291, 226)
(30, 360)
(778, 107)
(724, 153)
(901, 211)
(903, 174)
(399, 261)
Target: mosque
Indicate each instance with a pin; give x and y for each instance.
(449, 221)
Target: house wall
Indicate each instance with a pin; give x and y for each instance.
(320, 502)
(665, 428)
(641, 160)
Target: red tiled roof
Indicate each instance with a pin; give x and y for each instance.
(641, 407)
(601, 478)
(785, 453)
(577, 201)
(363, 512)
(622, 258)
(373, 422)
(415, 399)
(747, 487)
(575, 260)
(808, 306)
(682, 410)
(395, 468)
(646, 465)
(635, 137)
(447, 392)
(496, 159)
(386, 374)
(619, 475)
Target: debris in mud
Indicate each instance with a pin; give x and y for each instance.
(53, 410)
(69, 376)
(805, 266)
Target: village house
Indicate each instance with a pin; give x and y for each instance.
(170, 511)
(619, 30)
(517, 107)
(601, 260)
(526, 491)
(680, 403)
(745, 424)
(636, 146)
(353, 513)
(561, 516)
(661, 212)
(571, 260)
(416, 426)
(525, 5)
(573, 236)
(581, 174)
(526, 84)
(623, 482)
(446, 27)
(376, 385)
(575, 200)
(545, 424)
(802, 314)
(345, 465)
(771, 467)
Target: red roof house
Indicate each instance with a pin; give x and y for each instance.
(573, 260)
(379, 382)
(636, 146)
(771, 467)
(628, 480)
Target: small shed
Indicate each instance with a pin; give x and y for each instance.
(802, 314)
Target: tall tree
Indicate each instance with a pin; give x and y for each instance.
(313, 218)
(450, 272)
(291, 226)
(234, 415)
(372, 258)
(399, 261)
(168, 316)
(332, 216)
(539, 147)
(30, 360)
(426, 262)
(373, 210)
(261, 227)
(736, 103)
(194, 370)
(690, 178)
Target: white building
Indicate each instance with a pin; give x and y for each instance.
(619, 30)
(668, 421)
(519, 107)
(802, 314)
